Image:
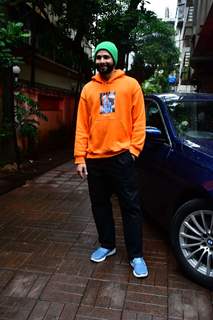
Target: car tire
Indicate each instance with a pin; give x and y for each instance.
(192, 240)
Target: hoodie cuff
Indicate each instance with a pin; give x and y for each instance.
(79, 160)
(134, 151)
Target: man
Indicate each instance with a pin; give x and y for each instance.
(110, 135)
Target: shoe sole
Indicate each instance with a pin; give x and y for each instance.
(144, 275)
(140, 275)
(104, 258)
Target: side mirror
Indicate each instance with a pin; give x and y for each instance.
(153, 132)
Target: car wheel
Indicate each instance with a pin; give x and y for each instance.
(192, 240)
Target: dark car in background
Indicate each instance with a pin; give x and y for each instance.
(176, 177)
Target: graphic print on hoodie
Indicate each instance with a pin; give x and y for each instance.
(107, 102)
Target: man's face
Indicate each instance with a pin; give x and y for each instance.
(104, 62)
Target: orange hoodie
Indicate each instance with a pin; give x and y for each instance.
(111, 118)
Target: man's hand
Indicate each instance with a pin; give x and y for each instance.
(82, 170)
(133, 156)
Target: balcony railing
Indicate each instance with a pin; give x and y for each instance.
(190, 15)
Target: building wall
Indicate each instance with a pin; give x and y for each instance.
(195, 65)
(201, 8)
(54, 86)
(55, 90)
(202, 49)
(184, 34)
(48, 78)
(59, 110)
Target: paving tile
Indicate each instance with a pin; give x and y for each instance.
(157, 276)
(78, 266)
(40, 263)
(104, 294)
(90, 229)
(40, 310)
(64, 288)
(131, 315)
(90, 313)
(31, 234)
(75, 201)
(25, 285)
(78, 250)
(40, 248)
(5, 278)
(179, 281)
(20, 285)
(87, 241)
(47, 220)
(12, 260)
(69, 311)
(54, 311)
(58, 249)
(150, 300)
(189, 305)
(74, 226)
(108, 271)
(15, 308)
(147, 308)
(37, 247)
(147, 289)
(38, 286)
(11, 232)
(55, 235)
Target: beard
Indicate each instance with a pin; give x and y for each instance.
(105, 68)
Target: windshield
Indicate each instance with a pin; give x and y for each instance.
(192, 119)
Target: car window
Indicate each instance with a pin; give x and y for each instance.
(192, 119)
(154, 117)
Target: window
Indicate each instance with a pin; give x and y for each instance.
(192, 118)
(154, 117)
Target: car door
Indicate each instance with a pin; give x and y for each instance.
(155, 175)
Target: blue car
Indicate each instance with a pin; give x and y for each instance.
(176, 177)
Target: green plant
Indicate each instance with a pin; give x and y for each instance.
(156, 84)
(11, 35)
(27, 116)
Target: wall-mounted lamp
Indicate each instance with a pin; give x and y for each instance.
(16, 71)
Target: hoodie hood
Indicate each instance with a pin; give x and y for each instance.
(115, 75)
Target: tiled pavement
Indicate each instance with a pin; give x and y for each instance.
(46, 235)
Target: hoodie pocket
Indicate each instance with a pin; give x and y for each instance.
(108, 134)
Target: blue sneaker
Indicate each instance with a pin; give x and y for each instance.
(139, 267)
(101, 254)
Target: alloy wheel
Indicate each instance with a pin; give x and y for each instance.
(196, 241)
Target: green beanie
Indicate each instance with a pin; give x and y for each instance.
(110, 47)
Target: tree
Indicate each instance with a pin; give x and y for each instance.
(135, 29)
(155, 45)
(117, 22)
(11, 33)
(93, 21)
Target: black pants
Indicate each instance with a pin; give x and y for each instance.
(106, 176)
